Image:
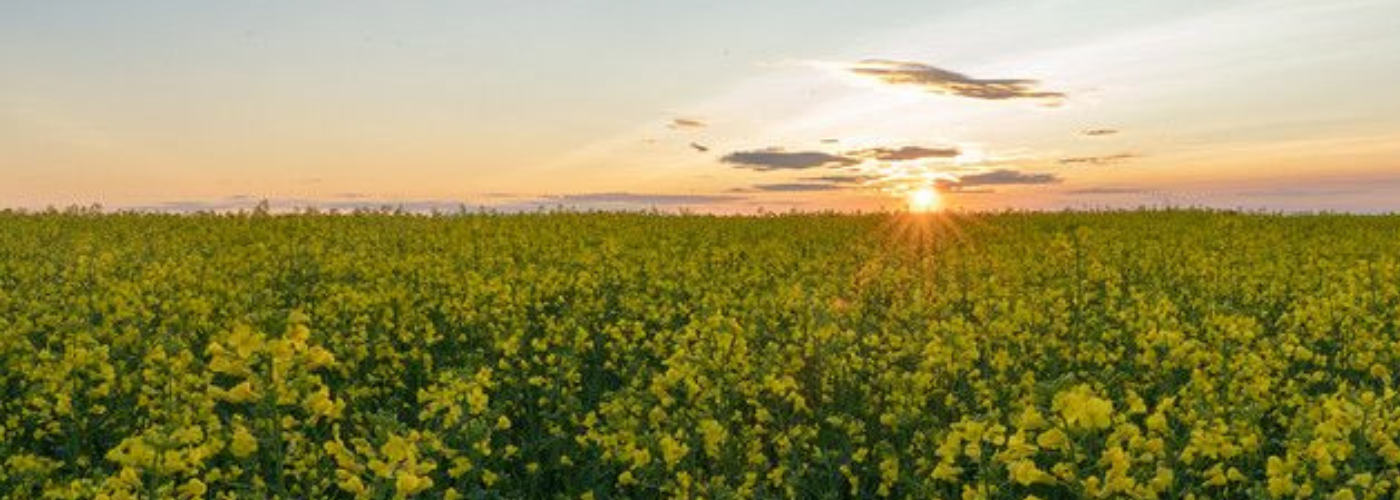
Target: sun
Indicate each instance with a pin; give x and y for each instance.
(924, 199)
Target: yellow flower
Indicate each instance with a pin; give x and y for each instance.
(1030, 419)
(188, 435)
(244, 443)
(889, 474)
(406, 483)
(946, 471)
(318, 357)
(397, 449)
(713, 435)
(241, 393)
(1026, 473)
(350, 482)
(321, 405)
(1082, 409)
(1053, 439)
(194, 488)
(244, 341)
(477, 400)
(672, 451)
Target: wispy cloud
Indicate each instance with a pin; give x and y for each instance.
(1098, 160)
(796, 187)
(1108, 190)
(582, 201)
(840, 179)
(643, 199)
(686, 123)
(904, 153)
(245, 202)
(779, 159)
(1301, 192)
(942, 81)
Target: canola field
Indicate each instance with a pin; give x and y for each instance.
(1148, 355)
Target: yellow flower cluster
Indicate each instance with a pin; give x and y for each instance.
(1144, 355)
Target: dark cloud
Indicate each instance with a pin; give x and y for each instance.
(793, 187)
(1004, 177)
(778, 159)
(946, 82)
(1098, 160)
(1099, 131)
(830, 141)
(904, 153)
(699, 147)
(685, 123)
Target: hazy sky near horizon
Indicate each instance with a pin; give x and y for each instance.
(725, 105)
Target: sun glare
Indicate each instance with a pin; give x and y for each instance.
(924, 199)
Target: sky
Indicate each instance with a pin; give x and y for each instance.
(727, 106)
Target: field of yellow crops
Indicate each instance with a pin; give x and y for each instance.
(1169, 354)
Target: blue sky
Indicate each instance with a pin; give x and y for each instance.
(1267, 104)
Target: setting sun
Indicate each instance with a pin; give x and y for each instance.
(923, 200)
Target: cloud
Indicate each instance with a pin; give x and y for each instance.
(1099, 131)
(1098, 160)
(685, 123)
(1109, 190)
(645, 199)
(904, 153)
(793, 187)
(583, 201)
(778, 159)
(1303, 192)
(1002, 177)
(244, 202)
(699, 147)
(973, 191)
(840, 179)
(941, 81)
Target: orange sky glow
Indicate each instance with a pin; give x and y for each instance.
(1046, 105)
